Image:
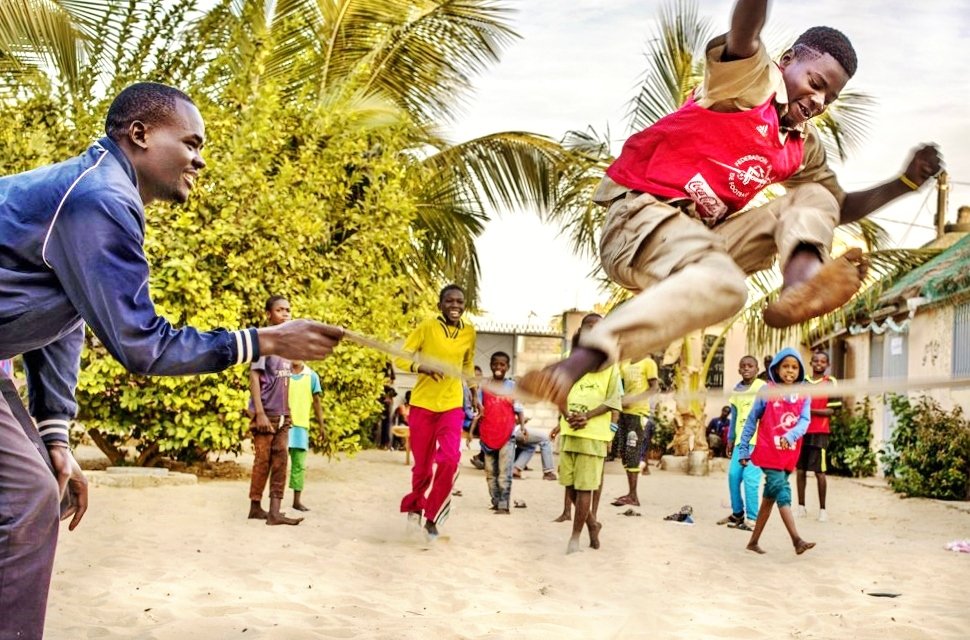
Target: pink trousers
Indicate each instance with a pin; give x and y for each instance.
(435, 445)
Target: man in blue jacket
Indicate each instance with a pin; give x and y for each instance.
(71, 253)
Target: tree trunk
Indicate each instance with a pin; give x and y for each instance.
(689, 433)
(148, 457)
(115, 455)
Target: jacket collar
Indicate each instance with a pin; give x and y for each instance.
(110, 145)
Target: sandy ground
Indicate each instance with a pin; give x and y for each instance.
(184, 562)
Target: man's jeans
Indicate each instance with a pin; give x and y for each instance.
(528, 446)
(498, 474)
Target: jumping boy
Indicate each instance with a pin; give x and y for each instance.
(269, 379)
(813, 455)
(671, 234)
(780, 422)
(743, 477)
(305, 391)
(436, 408)
(496, 429)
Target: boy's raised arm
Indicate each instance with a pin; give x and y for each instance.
(744, 36)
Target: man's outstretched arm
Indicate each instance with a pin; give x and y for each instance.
(925, 163)
(744, 36)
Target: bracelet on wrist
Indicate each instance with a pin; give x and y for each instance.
(909, 183)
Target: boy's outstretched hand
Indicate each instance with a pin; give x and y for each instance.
(299, 340)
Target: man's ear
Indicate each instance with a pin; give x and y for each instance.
(138, 134)
(786, 58)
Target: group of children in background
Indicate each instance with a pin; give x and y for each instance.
(612, 405)
(770, 436)
(765, 437)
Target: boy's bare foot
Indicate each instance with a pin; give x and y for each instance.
(801, 546)
(830, 288)
(626, 501)
(573, 546)
(279, 518)
(257, 513)
(753, 546)
(554, 382)
(594, 534)
(299, 506)
(563, 517)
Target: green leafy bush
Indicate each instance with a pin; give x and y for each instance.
(929, 451)
(850, 452)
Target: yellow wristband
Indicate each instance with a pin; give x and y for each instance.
(909, 183)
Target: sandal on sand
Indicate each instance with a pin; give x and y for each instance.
(630, 512)
(625, 501)
(741, 526)
(519, 504)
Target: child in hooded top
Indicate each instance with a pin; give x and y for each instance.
(780, 421)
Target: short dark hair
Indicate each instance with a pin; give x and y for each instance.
(447, 288)
(745, 357)
(273, 300)
(830, 41)
(822, 352)
(501, 354)
(149, 102)
(575, 340)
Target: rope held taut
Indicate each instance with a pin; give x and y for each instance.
(845, 388)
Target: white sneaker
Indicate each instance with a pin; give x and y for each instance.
(821, 516)
(800, 511)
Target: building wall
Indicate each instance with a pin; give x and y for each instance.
(535, 352)
(930, 352)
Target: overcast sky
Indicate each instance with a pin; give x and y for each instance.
(579, 63)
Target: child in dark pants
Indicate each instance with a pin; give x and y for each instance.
(499, 418)
(780, 421)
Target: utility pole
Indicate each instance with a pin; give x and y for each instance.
(942, 195)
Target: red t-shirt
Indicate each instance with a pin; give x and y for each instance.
(821, 424)
(498, 420)
(719, 160)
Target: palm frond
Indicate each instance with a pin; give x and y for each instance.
(845, 124)
(574, 210)
(675, 59)
(427, 58)
(506, 170)
(41, 33)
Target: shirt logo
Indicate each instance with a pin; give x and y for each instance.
(711, 207)
(763, 130)
(748, 175)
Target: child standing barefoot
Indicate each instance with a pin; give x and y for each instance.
(593, 406)
(780, 422)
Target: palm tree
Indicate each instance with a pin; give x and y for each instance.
(418, 58)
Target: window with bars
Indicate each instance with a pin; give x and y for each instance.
(961, 340)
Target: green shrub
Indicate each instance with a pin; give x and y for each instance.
(929, 452)
(849, 451)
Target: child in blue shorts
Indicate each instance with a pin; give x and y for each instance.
(780, 421)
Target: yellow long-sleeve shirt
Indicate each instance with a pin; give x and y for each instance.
(454, 345)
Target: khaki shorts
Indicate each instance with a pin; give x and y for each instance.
(580, 471)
